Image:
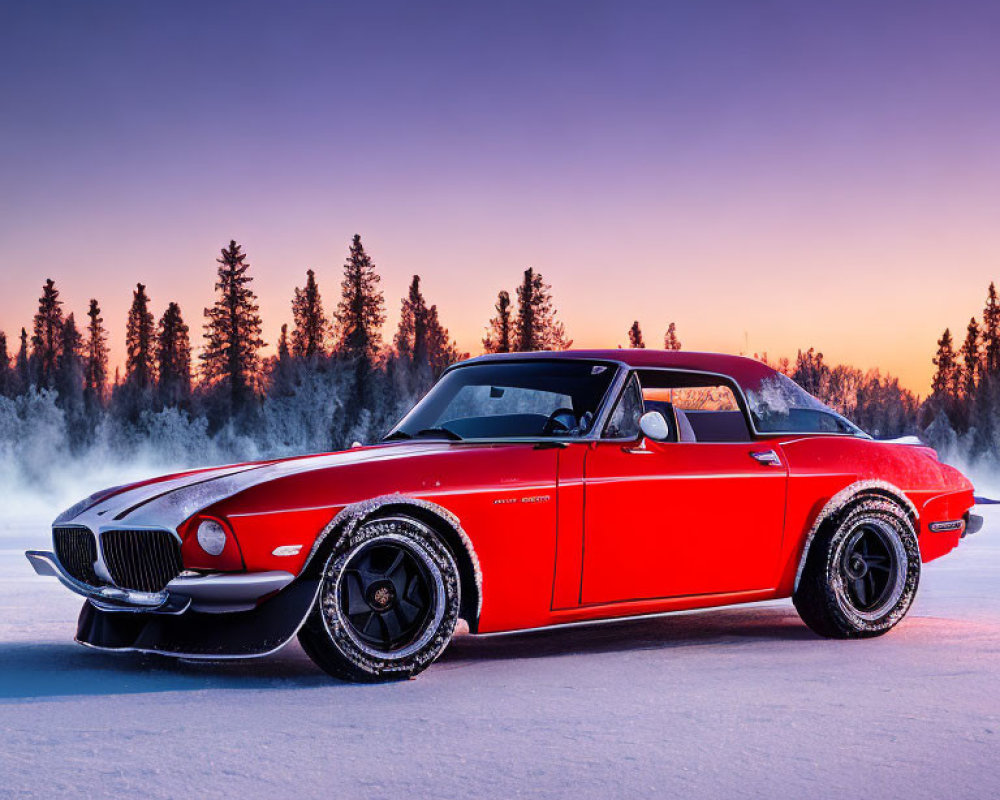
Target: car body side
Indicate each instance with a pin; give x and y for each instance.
(545, 532)
(522, 508)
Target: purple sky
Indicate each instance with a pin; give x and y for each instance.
(769, 175)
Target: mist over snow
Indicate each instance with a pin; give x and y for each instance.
(42, 469)
(50, 459)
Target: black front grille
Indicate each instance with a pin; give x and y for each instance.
(76, 549)
(143, 560)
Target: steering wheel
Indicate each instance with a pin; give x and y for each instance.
(562, 420)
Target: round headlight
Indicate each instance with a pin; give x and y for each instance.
(212, 537)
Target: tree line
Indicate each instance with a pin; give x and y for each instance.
(230, 374)
(962, 413)
(339, 354)
(333, 379)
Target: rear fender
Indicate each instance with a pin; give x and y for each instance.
(951, 507)
(846, 497)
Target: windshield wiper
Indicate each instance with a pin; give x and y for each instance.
(443, 433)
(396, 435)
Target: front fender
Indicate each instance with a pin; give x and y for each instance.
(439, 518)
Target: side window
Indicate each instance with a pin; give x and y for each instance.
(704, 408)
(624, 420)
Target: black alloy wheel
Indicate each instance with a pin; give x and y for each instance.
(387, 603)
(386, 595)
(861, 570)
(869, 565)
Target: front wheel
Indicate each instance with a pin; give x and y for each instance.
(388, 603)
(861, 572)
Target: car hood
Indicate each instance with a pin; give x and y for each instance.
(167, 502)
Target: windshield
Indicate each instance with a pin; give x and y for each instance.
(779, 405)
(510, 399)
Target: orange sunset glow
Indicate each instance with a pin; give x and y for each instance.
(808, 180)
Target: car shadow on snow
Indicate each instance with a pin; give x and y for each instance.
(55, 669)
(727, 626)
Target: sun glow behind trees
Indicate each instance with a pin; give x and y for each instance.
(332, 380)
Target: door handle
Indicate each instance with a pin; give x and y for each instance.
(638, 450)
(766, 457)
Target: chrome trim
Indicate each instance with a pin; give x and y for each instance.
(174, 606)
(946, 526)
(46, 563)
(760, 595)
(608, 402)
(766, 457)
(218, 593)
(139, 526)
(229, 592)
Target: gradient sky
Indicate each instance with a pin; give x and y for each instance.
(770, 175)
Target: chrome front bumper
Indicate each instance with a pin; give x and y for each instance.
(217, 593)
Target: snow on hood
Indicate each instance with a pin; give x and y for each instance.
(166, 504)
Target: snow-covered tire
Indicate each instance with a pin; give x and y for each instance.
(861, 571)
(387, 604)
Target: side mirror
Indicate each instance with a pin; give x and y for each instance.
(654, 426)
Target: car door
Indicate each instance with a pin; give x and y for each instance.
(680, 518)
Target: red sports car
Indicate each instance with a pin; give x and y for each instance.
(524, 491)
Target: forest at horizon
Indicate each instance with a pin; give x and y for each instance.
(335, 378)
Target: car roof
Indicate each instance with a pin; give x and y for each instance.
(745, 371)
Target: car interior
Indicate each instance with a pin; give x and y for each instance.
(697, 408)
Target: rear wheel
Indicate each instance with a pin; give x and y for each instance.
(861, 572)
(388, 603)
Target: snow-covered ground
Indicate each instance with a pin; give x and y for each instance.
(741, 702)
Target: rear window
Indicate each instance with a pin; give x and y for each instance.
(779, 405)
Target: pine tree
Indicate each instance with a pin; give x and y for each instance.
(499, 336)
(536, 325)
(282, 371)
(991, 332)
(410, 342)
(95, 358)
(231, 357)
(173, 358)
(69, 370)
(944, 382)
(283, 352)
(361, 310)
(812, 374)
(670, 340)
(6, 373)
(47, 338)
(23, 364)
(635, 337)
(312, 328)
(442, 351)
(140, 365)
(968, 375)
